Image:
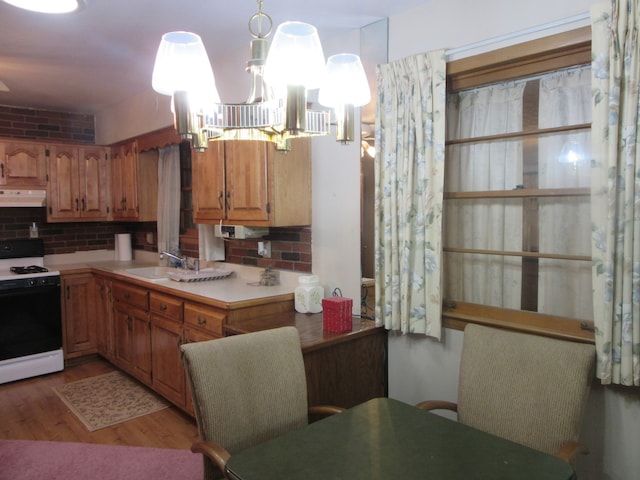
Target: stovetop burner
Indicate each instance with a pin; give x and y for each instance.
(29, 269)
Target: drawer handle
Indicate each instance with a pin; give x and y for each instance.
(202, 320)
(127, 295)
(163, 307)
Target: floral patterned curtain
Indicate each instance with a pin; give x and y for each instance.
(615, 190)
(409, 171)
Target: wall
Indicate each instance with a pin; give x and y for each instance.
(290, 250)
(421, 368)
(68, 237)
(46, 125)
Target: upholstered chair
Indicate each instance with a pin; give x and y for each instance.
(246, 389)
(526, 388)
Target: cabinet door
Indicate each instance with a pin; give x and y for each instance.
(23, 164)
(247, 180)
(124, 182)
(123, 337)
(193, 335)
(141, 338)
(208, 183)
(79, 314)
(63, 199)
(93, 183)
(104, 318)
(168, 373)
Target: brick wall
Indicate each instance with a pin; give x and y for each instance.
(32, 124)
(70, 237)
(290, 250)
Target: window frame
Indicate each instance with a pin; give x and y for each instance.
(554, 52)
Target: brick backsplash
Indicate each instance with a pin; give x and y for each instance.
(290, 250)
(290, 247)
(33, 124)
(71, 237)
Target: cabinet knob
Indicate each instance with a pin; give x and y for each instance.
(202, 320)
(163, 307)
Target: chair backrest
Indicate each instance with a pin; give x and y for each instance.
(247, 388)
(529, 389)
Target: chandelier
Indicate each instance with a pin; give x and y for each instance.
(281, 75)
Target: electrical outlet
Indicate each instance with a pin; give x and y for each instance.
(264, 249)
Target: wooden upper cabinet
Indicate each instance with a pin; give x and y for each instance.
(134, 183)
(22, 164)
(251, 183)
(78, 186)
(247, 185)
(207, 184)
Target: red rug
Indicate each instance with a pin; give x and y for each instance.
(27, 460)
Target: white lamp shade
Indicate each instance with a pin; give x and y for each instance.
(295, 57)
(47, 6)
(182, 64)
(345, 82)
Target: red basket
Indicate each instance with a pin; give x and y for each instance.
(336, 314)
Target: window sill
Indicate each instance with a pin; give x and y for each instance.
(459, 315)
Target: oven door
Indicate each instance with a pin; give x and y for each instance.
(31, 320)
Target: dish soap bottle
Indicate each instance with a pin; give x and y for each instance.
(33, 230)
(308, 294)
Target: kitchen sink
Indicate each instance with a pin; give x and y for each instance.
(153, 273)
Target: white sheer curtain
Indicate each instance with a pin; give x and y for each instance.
(484, 224)
(169, 198)
(565, 222)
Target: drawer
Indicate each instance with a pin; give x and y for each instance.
(132, 295)
(206, 318)
(165, 305)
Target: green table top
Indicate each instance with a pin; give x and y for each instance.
(387, 439)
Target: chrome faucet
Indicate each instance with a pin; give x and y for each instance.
(181, 260)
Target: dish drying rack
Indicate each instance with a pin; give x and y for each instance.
(203, 275)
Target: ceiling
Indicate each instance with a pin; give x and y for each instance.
(100, 56)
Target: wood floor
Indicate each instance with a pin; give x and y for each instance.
(30, 410)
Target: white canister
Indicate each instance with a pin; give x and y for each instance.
(308, 294)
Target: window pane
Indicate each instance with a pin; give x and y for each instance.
(565, 289)
(484, 166)
(488, 224)
(485, 279)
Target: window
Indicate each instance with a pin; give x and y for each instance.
(188, 229)
(517, 248)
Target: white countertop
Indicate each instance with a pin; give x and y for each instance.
(241, 285)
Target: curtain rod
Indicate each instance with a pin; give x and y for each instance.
(510, 36)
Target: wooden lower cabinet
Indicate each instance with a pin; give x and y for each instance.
(342, 369)
(149, 325)
(78, 312)
(104, 317)
(201, 323)
(168, 376)
(132, 330)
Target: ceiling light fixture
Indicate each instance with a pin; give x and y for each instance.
(281, 75)
(47, 6)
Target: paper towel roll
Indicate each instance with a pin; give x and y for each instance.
(123, 247)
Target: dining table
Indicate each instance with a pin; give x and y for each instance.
(384, 438)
